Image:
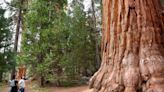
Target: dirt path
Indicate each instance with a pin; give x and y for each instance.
(56, 89)
(52, 89)
(6, 88)
(27, 89)
(70, 89)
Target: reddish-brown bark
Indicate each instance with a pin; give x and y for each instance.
(21, 72)
(132, 47)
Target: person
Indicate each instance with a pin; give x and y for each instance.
(14, 84)
(11, 84)
(22, 84)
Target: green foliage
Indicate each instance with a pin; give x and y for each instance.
(6, 55)
(79, 50)
(57, 45)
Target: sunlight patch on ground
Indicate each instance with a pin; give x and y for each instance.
(89, 90)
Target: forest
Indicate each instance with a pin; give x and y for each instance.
(82, 45)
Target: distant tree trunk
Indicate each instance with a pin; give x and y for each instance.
(42, 81)
(132, 47)
(18, 27)
(96, 33)
(40, 58)
(1, 76)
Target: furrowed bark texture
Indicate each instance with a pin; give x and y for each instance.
(132, 47)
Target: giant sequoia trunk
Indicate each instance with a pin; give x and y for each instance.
(132, 47)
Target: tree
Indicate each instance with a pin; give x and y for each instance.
(58, 46)
(94, 23)
(38, 36)
(16, 7)
(132, 47)
(5, 44)
(79, 55)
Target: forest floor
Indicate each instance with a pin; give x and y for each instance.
(30, 88)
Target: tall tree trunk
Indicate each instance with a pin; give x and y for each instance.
(96, 33)
(1, 76)
(132, 47)
(42, 81)
(18, 27)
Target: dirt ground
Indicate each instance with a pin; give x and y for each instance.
(55, 89)
(70, 89)
(52, 89)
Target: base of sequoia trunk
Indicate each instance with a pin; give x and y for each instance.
(146, 76)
